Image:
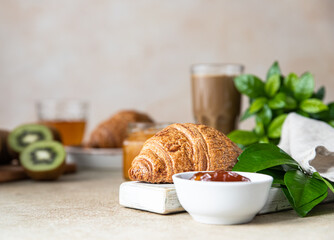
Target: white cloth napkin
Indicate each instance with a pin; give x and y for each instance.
(311, 143)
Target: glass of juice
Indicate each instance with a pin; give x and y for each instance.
(67, 116)
(138, 133)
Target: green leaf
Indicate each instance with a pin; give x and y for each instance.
(259, 128)
(249, 85)
(320, 94)
(304, 210)
(313, 105)
(305, 191)
(303, 188)
(275, 127)
(243, 137)
(272, 85)
(329, 184)
(331, 110)
(290, 103)
(264, 139)
(304, 87)
(301, 212)
(273, 70)
(265, 115)
(302, 113)
(291, 81)
(278, 102)
(288, 196)
(331, 122)
(257, 104)
(278, 112)
(323, 115)
(278, 175)
(274, 141)
(326, 116)
(261, 156)
(246, 115)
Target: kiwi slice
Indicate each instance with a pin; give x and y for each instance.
(27, 134)
(5, 154)
(43, 160)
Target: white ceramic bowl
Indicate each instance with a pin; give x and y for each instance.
(223, 202)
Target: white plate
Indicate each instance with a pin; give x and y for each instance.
(105, 158)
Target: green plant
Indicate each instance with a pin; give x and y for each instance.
(302, 190)
(272, 100)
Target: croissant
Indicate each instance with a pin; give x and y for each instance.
(112, 132)
(182, 148)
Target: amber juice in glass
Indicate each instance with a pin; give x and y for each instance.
(68, 117)
(138, 133)
(71, 131)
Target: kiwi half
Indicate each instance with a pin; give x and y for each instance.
(27, 134)
(43, 160)
(5, 154)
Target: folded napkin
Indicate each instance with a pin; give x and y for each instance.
(311, 143)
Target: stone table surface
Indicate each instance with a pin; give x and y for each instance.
(85, 206)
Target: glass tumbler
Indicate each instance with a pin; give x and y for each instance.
(67, 116)
(216, 101)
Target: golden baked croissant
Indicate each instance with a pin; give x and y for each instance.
(181, 148)
(112, 132)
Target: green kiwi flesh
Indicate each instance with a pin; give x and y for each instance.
(43, 160)
(27, 134)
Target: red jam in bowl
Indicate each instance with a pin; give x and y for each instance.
(219, 176)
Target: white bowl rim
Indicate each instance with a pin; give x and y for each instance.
(267, 178)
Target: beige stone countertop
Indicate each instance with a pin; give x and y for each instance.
(85, 206)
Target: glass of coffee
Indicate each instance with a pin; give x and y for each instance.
(216, 101)
(67, 116)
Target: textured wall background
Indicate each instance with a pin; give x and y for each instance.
(136, 54)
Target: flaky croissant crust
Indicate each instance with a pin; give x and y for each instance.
(112, 132)
(182, 148)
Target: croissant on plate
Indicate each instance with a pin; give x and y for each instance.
(112, 132)
(182, 148)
